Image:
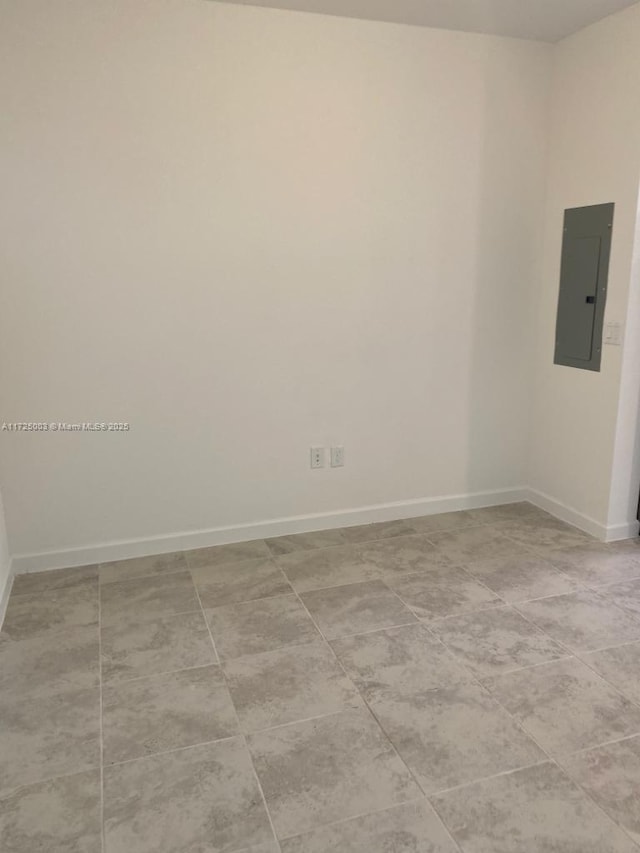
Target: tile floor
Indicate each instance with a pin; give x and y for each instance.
(462, 683)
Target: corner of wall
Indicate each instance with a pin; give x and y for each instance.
(6, 567)
(584, 456)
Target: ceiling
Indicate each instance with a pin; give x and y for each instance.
(544, 20)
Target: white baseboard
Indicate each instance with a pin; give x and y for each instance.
(186, 541)
(5, 592)
(122, 550)
(616, 532)
(611, 533)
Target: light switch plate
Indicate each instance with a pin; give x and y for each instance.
(337, 457)
(612, 334)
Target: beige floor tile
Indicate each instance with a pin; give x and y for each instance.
(218, 555)
(447, 729)
(542, 535)
(411, 828)
(240, 581)
(625, 595)
(56, 661)
(59, 816)
(619, 666)
(165, 712)
(288, 685)
(305, 541)
(443, 521)
(40, 582)
(32, 614)
(404, 555)
(398, 662)
(493, 641)
(131, 650)
(354, 608)
(565, 706)
(47, 738)
(160, 564)
(328, 567)
(201, 799)
(147, 598)
(475, 543)
(595, 564)
(340, 731)
(535, 810)
(611, 775)
(330, 769)
(582, 621)
(453, 734)
(509, 512)
(260, 626)
(378, 530)
(521, 578)
(442, 592)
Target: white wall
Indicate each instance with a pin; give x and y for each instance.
(247, 232)
(584, 431)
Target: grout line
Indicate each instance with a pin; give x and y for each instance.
(466, 613)
(44, 780)
(329, 586)
(121, 681)
(330, 640)
(303, 720)
(243, 601)
(248, 655)
(566, 656)
(204, 616)
(608, 584)
(607, 648)
(415, 802)
(580, 589)
(150, 756)
(602, 745)
(264, 799)
(482, 779)
(343, 820)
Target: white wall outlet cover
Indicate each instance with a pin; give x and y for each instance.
(337, 457)
(613, 334)
(317, 457)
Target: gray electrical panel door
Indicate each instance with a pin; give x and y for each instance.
(586, 248)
